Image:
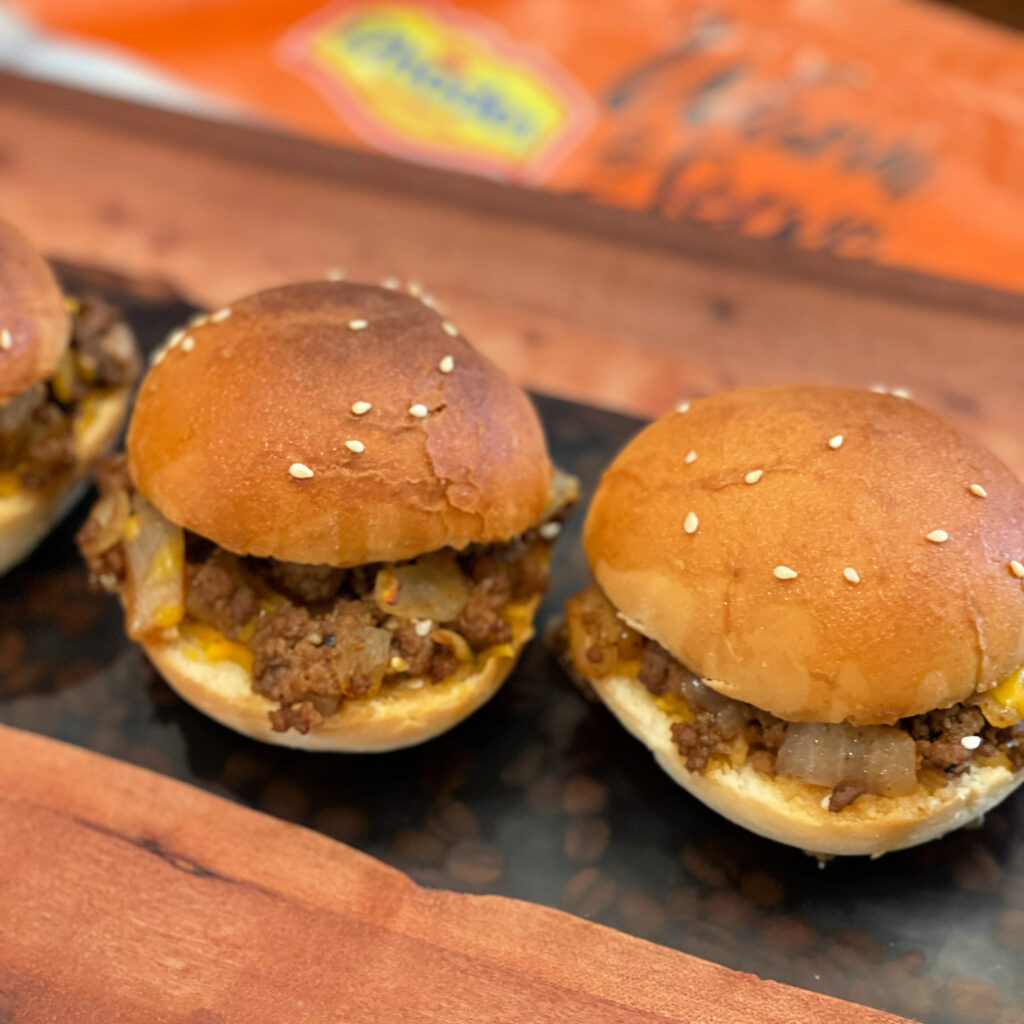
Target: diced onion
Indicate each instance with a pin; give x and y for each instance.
(879, 757)
(362, 652)
(455, 641)
(109, 515)
(432, 587)
(701, 697)
(154, 551)
(564, 490)
(119, 343)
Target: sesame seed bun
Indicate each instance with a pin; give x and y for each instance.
(27, 516)
(790, 811)
(248, 436)
(403, 715)
(750, 591)
(31, 313)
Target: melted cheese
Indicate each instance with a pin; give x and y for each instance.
(675, 707)
(212, 645)
(88, 410)
(63, 380)
(1003, 705)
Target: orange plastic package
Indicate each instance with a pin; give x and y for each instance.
(888, 130)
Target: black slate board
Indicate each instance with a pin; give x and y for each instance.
(542, 796)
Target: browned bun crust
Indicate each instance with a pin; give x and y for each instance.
(927, 624)
(215, 430)
(32, 310)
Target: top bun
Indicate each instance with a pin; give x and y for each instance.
(32, 312)
(266, 391)
(850, 481)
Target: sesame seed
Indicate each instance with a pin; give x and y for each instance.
(429, 301)
(753, 476)
(335, 274)
(158, 356)
(358, 408)
(549, 531)
(316, 639)
(449, 328)
(691, 522)
(835, 442)
(355, 446)
(175, 337)
(879, 389)
(391, 283)
(358, 325)
(399, 664)
(1017, 568)
(826, 801)
(220, 316)
(683, 406)
(447, 364)
(937, 536)
(415, 289)
(6, 340)
(978, 491)
(423, 627)
(419, 410)
(970, 742)
(783, 572)
(851, 575)
(901, 393)
(188, 343)
(300, 471)
(691, 456)
(415, 684)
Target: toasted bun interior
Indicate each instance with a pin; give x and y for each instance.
(790, 811)
(26, 517)
(405, 439)
(696, 518)
(31, 312)
(400, 716)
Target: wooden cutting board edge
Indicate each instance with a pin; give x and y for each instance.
(132, 896)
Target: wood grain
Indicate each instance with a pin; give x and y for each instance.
(129, 897)
(608, 306)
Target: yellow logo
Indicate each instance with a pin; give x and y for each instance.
(439, 85)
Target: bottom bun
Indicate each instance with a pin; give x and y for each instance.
(28, 516)
(790, 811)
(402, 715)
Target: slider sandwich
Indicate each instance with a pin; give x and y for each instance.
(808, 603)
(332, 525)
(67, 366)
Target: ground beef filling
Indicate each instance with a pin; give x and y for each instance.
(37, 437)
(319, 635)
(720, 725)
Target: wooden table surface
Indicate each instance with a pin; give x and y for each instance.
(128, 897)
